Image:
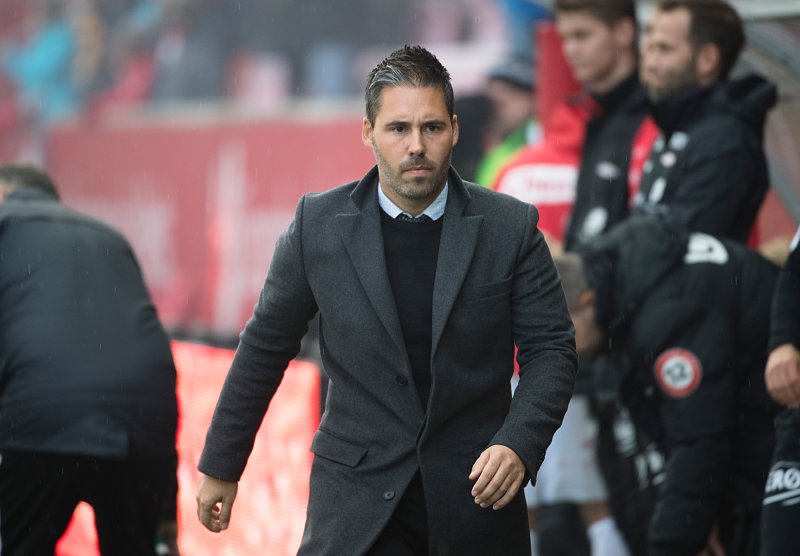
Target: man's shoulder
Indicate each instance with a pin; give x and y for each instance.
(336, 199)
(717, 129)
(337, 193)
(500, 211)
(12, 212)
(486, 198)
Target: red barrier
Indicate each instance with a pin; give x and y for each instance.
(270, 507)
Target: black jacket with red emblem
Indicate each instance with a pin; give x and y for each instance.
(688, 314)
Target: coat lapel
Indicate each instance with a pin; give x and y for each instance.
(363, 239)
(456, 247)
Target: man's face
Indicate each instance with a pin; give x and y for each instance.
(589, 47)
(412, 138)
(668, 62)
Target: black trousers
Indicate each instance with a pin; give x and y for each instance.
(780, 514)
(39, 493)
(406, 534)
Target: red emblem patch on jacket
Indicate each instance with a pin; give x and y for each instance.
(678, 372)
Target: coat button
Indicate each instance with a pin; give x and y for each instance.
(388, 495)
(401, 380)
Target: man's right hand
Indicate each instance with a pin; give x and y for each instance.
(783, 375)
(214, 502)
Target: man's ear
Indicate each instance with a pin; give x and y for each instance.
(455, 129)
(366, 132)
(707, 63)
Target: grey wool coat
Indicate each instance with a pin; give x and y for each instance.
(495, 286)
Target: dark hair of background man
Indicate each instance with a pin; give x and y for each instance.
(17, 176)
(712, 21)
(607, 11)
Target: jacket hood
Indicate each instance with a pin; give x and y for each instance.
(625, 264)
(749, 98)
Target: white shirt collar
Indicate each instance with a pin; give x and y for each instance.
(434, 211)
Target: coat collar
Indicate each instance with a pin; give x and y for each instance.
(31, 194)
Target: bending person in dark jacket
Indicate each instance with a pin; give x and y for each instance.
(687, 316)
(708, 166)
(87, 382)
(781, 512)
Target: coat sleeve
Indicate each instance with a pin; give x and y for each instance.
(545, 342)
(270, 340)
(785, 326)
(696, 396)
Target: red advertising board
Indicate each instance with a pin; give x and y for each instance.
(203, 204)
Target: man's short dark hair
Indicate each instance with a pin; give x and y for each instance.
(18, 176)
(609, 12)
(715, 22)
(410, 66)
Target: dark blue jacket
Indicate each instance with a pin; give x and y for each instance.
(85, 365)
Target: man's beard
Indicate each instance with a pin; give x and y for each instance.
(415, 188)
(676, 81)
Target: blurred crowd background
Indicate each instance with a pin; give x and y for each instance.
(193, 126)
(68, 58)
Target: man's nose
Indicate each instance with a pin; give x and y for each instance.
(416, 143)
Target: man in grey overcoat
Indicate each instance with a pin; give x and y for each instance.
(425, 285)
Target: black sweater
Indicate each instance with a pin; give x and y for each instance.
(412, 249)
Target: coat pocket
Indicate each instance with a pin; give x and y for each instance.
(487, 291)
(335, 448)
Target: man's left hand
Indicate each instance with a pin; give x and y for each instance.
(499, 473)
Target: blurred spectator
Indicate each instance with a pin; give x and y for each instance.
(545, 174)
(781, 510)
(319, 41)
(599, 41)
(91, 37)
(474, 112)
(600, 45)
(88, 390)
(133, 72)
(193, 50)
(511, 90)
(687, 318)
(708, 165)
(521, 17)
(130, 30)
(42, 68)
